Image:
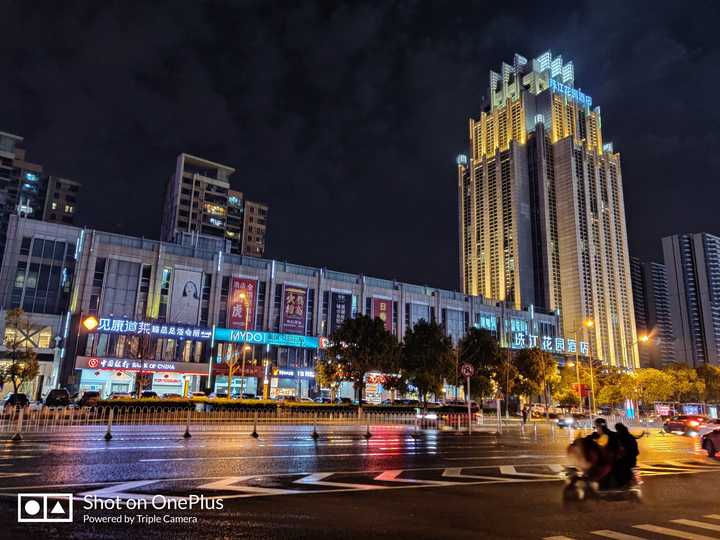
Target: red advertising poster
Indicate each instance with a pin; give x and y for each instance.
(294, 305)
(382, 309)
(241, 303)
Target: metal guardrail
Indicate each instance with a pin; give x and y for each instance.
(136, 418)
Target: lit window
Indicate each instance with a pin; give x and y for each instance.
(44, 337)
(69, 209)
(53, 205)
(216, 222)
(214, 209)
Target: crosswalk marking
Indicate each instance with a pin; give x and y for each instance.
(230, 484)
(392, 476)
(318, 479)
(674, 532)
(698, 524)
(616, 535)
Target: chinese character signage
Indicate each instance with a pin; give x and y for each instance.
(135, 364)
(382, 309)
(572, 93)
(185, 300)
(558, 345)
(294, 305)
(340, 309)
(241, 303)
(108, 325)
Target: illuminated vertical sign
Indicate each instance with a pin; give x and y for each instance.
(241, 303)
(293, 309)
(340, 309)
(383, 310)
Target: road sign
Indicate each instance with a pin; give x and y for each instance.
(467, 370)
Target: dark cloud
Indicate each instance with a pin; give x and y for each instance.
(345, 116)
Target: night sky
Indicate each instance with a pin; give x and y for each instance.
(346, 117)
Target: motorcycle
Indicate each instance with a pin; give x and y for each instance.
(579, 487)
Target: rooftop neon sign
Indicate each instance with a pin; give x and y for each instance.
(572, 93)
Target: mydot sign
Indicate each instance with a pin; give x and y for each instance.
(268, 338)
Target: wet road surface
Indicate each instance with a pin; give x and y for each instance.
(394, 485)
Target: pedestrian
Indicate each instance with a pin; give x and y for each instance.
(524, 414)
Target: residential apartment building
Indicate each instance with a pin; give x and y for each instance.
(200, 202)
(653, 317)
(693, 276)
(541, 210)
(26, 190)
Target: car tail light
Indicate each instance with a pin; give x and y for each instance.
(693, 423)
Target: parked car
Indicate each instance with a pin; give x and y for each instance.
(172, 396)
(711, 425)
(711, 442)
(148, 394)
(321, 399)
(121, 395)
(197, 395)
(685, 424)
(286, 398)
(89, 398)
(218, 395)
(305, 400)
(57, 397)
(15, 401)
(343, 401)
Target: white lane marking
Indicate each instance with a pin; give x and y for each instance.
(698, 524)
(456, 472)
(510, 469)
(616, 535)
(121, 491)
(392, 476)
(230, 484)
(674, 532)
(712, 516)
(522, 456)
(318, 479)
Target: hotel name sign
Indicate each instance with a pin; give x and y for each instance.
(560, 345)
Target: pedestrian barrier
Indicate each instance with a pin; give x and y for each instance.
(18, 422)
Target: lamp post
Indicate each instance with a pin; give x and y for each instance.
(246, 347)
(587, 323)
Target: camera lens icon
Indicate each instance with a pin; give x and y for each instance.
(32, 507)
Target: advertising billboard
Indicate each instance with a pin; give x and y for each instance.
(185, 300)
(133, 364)
(340, 309)
(382, 309)
(293, 309)
(241, 303)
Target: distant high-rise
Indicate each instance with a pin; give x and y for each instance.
(653, 317)
(27, 191)
(199, 201)
(693, 275)
(542, 217)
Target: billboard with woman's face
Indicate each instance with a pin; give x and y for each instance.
(185, 300)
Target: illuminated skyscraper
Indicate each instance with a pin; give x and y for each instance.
(542, 217)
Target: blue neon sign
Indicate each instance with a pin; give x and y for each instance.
(266, 338)
(572, 93)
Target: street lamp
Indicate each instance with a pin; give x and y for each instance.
(587, 323)
(90, 323)
(246, 347)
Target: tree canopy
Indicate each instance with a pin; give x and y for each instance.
(427, 358)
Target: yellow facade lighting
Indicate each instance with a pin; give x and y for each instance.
(90, 323)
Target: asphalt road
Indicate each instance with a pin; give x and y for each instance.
(287, 485)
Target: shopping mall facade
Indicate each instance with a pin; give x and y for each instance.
(110, 310)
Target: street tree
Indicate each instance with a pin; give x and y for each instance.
(648, 385)
(710, 375)
(362, 345)
(329, 374)
(687, 386)
(23, 364)
(427, 358)
(538, 370)
(480, 349)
